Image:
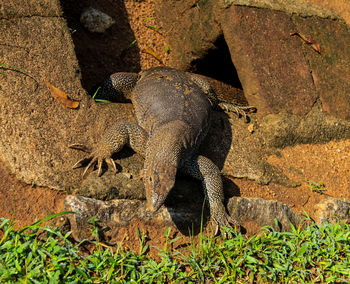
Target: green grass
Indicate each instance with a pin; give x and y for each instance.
(318, 187)
(150, 26)
(8, 66)
(99, 100)
(315, 254)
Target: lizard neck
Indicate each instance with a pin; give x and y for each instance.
(169, 141)
(124, 82)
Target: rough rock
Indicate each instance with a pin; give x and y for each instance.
(263, 212)
(274, 78)
(18, 8)
(281, 130)
(126, 184)
(279, 72)
(332, 210)
(193, 29)
(299, 7)
(96, 21)
(241, 152)
(110, 186)
(330, 70)
(117, 213)
(35, 130)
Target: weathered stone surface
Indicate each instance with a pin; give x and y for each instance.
(330, 70)
(197, 32)
(35, 130)
(18, 8)
(281, 130)
(263, 212)
(111, 186)
(299, 7)
(126, 184)
(332, 210)
(120, 212)
(116, 213)
(269, 62)
(239, 153)
(194, 26)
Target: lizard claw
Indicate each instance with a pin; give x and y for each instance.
(216, 230)
(111, 162)
(224, 221)
(91, 164)
(239, 110)
(96, 157)
(81, 163)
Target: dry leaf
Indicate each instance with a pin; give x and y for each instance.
(150, 51)
(61, 96)
(314, 44)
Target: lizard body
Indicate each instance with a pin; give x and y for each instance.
(173, 111)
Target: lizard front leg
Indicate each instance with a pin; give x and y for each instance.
(117, 87)
(120, 134)
(205, 170)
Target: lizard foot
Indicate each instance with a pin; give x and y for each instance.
(224, 220)
(100, 154)
(241, 111)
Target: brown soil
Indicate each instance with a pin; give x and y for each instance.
(26, 203)
(328, 163)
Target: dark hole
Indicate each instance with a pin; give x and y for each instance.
(101, 55)
(217, 64)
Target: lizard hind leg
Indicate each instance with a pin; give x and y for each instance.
(117, 87)
(241, 111)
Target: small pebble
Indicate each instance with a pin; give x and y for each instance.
(96, 21)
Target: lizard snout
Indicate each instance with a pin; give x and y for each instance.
(160, 181)
(156, 202)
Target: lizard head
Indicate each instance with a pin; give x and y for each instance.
(160, 180)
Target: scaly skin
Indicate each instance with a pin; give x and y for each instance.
(173, 111)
